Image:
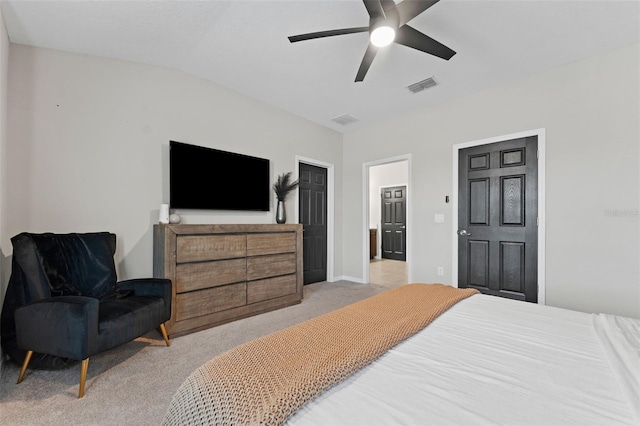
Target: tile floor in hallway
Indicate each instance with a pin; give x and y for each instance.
(386, 272)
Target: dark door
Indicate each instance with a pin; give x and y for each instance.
(394, 223)
(313, 216)
(497, 218)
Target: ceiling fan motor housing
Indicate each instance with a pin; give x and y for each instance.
(383, 32)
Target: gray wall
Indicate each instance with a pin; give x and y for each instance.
(590, 111)
(89, 143)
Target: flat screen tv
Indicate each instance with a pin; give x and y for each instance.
(211, 179)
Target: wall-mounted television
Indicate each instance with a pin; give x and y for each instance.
(211, 179)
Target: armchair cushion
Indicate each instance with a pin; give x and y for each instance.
(122, 320)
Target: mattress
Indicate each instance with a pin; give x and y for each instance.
(488, 361)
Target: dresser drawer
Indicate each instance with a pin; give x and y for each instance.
(270, 288)
(197, 276)
(270, 266)
(194, 248)
(203, 302)
(271, 243)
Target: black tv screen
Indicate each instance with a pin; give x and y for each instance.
(207, 178)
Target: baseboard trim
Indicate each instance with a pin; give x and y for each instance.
(347, 278)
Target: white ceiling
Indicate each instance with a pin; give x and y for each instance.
(243, 45)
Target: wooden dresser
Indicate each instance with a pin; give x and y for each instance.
(221, 273)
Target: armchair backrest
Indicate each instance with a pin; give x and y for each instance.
(66, 264)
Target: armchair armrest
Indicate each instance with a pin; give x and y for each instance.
(151, 287)
(154, 287)
(65, 326)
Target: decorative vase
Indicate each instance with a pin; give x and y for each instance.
(281, 214)
(164, 213)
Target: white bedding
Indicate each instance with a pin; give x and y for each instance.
(491, 361)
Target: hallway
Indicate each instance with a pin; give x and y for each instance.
(388, 273)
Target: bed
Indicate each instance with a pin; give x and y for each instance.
(481, 360)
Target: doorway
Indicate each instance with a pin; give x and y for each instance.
(498, 221)
(388, 222)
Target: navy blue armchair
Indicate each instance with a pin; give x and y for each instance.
(64, 303)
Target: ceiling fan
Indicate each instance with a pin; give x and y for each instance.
(388, 24)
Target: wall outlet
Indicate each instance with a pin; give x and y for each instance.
(438, 218)
(440, 271)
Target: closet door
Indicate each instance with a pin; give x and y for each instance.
(313, 217)
(497, 218)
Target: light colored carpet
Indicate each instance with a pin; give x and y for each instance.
(133, 384)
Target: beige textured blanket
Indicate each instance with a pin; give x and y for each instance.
(266, 380)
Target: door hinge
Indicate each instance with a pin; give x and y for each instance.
(538, 221)
(538, 154)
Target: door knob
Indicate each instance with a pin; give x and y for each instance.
(464, 233)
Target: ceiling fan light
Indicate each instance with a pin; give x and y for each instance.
(382, 36)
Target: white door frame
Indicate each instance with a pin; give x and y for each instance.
(540, 133)
(365, 213)
(330, 209)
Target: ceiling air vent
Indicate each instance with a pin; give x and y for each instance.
(422, 85)
(344, 119)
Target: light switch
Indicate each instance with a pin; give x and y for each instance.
(439, 218)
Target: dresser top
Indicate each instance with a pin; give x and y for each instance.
(184, 229)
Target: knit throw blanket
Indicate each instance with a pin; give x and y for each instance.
(263, 382)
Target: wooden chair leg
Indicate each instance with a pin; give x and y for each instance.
(83, 376)
(27, 358)
(164, 335)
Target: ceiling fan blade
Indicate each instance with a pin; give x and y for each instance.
(366, 62)
(388, 6)
(375, 9)
(330, 33)
(410, 37)
(409, 9)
